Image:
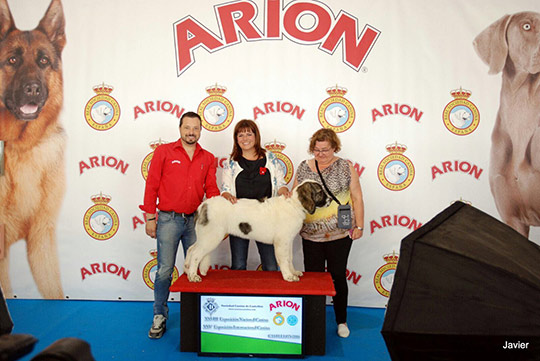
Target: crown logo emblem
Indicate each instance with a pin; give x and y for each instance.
(103, 89)
(156, 143)
(153, 253)
(275, 146)
(396, 148)
(391, 257)
(336, 91)
(216, 89)
(461, 93)
(101, 198)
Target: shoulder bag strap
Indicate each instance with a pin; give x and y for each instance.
(324, 184)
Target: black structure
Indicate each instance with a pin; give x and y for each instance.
(12, 347)
(6, 324)
(467, 287)
(66, 349)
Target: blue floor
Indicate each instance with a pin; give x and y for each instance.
(117, 330)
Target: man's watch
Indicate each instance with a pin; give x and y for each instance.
(360, 228)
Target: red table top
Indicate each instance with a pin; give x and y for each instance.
(257, 282)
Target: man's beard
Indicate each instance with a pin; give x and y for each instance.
(190, 139)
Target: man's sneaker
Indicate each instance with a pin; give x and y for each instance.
(159, 325)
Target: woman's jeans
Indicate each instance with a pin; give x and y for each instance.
(239, 254)
(172, 228)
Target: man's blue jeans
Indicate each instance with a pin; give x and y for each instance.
(239, 254)
(171, 228)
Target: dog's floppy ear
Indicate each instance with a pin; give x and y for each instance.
(305, 197)
(491, 45)
(53, 25)
(6, 19)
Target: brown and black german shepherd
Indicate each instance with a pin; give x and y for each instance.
(32, 188)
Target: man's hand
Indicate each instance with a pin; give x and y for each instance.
(151, 225)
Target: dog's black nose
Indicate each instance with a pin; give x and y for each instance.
(32, 89)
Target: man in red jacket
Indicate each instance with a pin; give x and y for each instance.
(180, 174)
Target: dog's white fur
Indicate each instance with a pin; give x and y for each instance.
(212, 114)
(511, 45)
(393, 173)
(276, 221)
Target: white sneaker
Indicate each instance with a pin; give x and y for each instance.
(343, 330)
(159, 325)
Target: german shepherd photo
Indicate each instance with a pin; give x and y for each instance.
(32, 187)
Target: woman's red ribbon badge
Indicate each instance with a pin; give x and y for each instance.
(262, 170)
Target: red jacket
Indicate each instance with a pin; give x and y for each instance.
(177, 181)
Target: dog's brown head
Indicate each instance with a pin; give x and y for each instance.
(514, 36)
(30, 64)
(311, 195)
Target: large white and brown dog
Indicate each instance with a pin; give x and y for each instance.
(274, 221)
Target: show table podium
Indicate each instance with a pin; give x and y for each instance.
(313, 287)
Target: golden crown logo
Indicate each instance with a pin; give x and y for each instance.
(216, 89)
(101, 198)
(396, 148)
(384, 276)
(288, 167)
(275, 146)
(396, 171)
(461, 93)
(216, 111)
(460, 116)
(336, 91)
(103, 89)
(153, 145)
(102, 111)
(150, 269)
(336, 112)
(101, 221)
(391, 257)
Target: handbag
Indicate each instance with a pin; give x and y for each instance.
(344, 214)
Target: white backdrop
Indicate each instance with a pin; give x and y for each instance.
(423, 52)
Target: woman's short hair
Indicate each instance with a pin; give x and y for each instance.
(243, 126)
(325, 135)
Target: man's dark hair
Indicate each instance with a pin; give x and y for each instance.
(190, 115)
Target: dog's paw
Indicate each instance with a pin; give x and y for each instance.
(194, 278)
(291, 278)
(298, 273)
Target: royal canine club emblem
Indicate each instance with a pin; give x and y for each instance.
(336, 112)
(286, 163)
(150, 269)
(101, 221)
(460, 116)
(384, 276)
(102, 111)
(210, 306)
(216, 111)
(396, 171)
(145, 166)
(279, 319)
